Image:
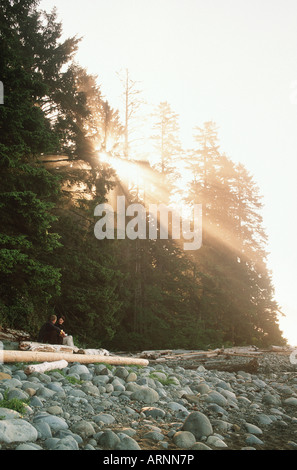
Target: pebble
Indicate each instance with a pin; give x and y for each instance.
(159, 406)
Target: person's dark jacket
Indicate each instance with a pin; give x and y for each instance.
(49, 333)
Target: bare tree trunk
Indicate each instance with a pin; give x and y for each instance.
(7, 356)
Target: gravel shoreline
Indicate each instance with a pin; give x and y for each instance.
(186, 405)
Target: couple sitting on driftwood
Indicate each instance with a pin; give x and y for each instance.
(52, 332)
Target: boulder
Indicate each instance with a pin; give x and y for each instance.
(184, 439)
(145, 394)
(17, 430)
(198, 424)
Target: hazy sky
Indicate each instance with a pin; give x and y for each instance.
(230, 61)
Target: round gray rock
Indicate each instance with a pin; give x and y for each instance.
(184, 439)
(17, 430)
(127, 443)
(153, 412)
(109, 439)
(198, 424)
(145, 394)
(83, 428)
(55, 422)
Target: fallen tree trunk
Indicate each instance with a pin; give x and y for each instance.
(42, 347)
(36, 356)
(46, 366)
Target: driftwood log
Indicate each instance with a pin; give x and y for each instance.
(164, 355)
(8, 356)
(42, 347)
(251, 367)
(101, 352)
(46, 366)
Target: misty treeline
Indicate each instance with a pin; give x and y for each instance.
(119, 294)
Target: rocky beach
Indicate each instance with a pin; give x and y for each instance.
(221, 403)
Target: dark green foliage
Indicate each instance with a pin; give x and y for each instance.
(28, 280)
(89, 284)
(159, 299)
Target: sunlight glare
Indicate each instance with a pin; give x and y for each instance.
(126, 170)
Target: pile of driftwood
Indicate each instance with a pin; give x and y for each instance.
(180, 354)
(184, 355)
(215, 359)
(9, 334)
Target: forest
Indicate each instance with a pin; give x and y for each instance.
(62, 152)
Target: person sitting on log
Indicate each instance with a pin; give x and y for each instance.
(49, 332)
(64, 338)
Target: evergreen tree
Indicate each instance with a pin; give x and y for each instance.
(231, 266)
(111, 128)
(46, 110)
(27, 193)
(167, 317)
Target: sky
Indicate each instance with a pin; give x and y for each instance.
(230, 61)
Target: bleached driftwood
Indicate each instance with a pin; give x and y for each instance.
(163, 355)
(244, 351)
(198, 355)
(242, 354)
(8, 356)
(155, 354)
(100, 352)
(46, 366)
(9, 334)
(43, 347)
